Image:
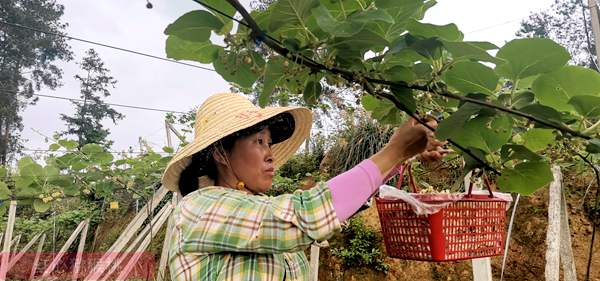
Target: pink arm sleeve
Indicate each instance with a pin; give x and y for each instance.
(351, 189)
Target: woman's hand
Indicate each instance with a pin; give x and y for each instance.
(410, 139)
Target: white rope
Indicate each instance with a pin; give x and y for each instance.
(510, 225)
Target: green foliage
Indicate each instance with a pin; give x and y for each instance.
(91, 174)
(354, 143)
(361, 247)
(383, 39)
(282, 185)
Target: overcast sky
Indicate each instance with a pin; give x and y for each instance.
(152, 83)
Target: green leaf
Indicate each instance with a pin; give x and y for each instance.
(352, 49)
(382, 110)
(33, 170)
(448, 32)
(312, 92)
(3, 172)
(557, 88)
(54, 146)
(371, 15)
(471, 77)
(543, 112)
(4, 191)
(522, 98)
(68, 144)
(400, 73)
(430, 48)
(102, 158)
(194, 26)
(586, 106)
(470, 51)
(406, 97)
(227, 9)
(484, 132)
(446, 128)
(39, 206)
(22, 182)
(336, 28)
(537, 139)
(231, 70)
(400, 9)
(516, 151)
(202, 52)
(530, 56)
(168, 149)
(525, 178)
(290, 12)
(92, 148)
(25, 161)
(593, 146)
(470, 162)
(274, 74)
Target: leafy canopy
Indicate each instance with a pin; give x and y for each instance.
(387, 39)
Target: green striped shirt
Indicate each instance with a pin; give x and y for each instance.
(225, 234)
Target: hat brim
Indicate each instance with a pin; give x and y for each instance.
(283, 148)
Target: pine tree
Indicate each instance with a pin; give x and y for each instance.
(95, 83)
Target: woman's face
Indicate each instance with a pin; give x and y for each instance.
(251, 159)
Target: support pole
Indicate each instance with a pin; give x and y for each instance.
(18, 256)
(80, 249)
(164, 256)
(37, 257)
(12, 209)
(552, 269)
(482, 267)
(593, 5)
(63, 250)
(126, 235)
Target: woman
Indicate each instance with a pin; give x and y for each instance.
(226, 230)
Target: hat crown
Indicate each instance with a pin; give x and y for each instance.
(219, 111)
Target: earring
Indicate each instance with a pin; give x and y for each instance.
(241, 185)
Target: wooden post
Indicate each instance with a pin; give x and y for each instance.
(63, 250)
(169, 143)
(145, 243)
(510, 226)
(552, 269)
(164, 256)
(118, 257)
(126, 235)
(37, 257)
(18, 256)
(593, 5)
(14, 245)
(80, 249)
(314, 262)
(566, 250)
(175, 131)
(482, 268)
(12, 209)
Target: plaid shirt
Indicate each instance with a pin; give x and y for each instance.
(225, 234)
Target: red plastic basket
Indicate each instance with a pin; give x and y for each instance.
(473, 227)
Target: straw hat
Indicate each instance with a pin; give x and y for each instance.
(226, 113)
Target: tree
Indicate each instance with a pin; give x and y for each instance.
(27, 62)
(95, 82)
(568, 23)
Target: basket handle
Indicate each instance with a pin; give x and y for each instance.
(487, 184)
(411, 178)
